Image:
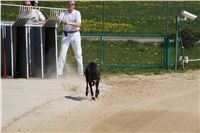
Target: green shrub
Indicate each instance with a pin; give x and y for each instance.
(189, 37)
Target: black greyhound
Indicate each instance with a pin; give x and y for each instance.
(92, 75)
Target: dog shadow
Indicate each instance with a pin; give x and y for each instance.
(74, 98)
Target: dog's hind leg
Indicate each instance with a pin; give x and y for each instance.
(86, 93)
(92, 94)
(97, 88)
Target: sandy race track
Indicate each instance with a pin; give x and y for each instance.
(151, 104)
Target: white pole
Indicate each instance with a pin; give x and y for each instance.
(194, 60)
(27, 68)
(56, 51)
(29, 48)
(41, 7)
(42, 65)
(11, 40)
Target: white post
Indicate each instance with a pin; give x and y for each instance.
(29, 48)
(41, 46)
(27, 67)
(56, 51)
(12, 62)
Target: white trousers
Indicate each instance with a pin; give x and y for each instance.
(75, 40)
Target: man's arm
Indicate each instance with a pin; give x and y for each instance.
(72, 24)
(77, 22)
(41, 16)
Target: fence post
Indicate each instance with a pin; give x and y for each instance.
(176, 43)
(166, 52)
(101, 50)
(103, 32)
(167, 19)
(103, 17)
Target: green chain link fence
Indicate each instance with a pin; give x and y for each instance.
(120, 33)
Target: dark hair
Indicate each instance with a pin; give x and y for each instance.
(33, 3)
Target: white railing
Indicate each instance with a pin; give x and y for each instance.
(40, 7)
(25, 11)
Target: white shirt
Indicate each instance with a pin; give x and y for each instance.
(37, 15)
(74, 16)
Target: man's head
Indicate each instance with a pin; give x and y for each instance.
(70, 5)
(35, 3)
(27, 3)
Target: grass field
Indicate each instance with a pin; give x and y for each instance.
(131, 53)
(126, 17)
(122, 17)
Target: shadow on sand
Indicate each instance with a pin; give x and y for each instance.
(78, 98)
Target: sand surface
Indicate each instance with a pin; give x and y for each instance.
(168, 103)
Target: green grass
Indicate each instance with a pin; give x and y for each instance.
(129, 53)
(132, 53)
(123, 17)
(120, 56)
(192, 53)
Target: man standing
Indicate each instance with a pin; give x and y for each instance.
(71, 21)
(35, 14)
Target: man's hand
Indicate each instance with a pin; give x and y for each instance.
(72, 24)
(65, 23)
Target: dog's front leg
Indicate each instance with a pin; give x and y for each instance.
(92, 94)
(86, 93)
(97, 88)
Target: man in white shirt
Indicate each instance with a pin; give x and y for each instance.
(71, 21)
(35, 14)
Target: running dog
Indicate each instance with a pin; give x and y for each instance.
(92, 76)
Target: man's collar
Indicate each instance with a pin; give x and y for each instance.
(72, 12)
